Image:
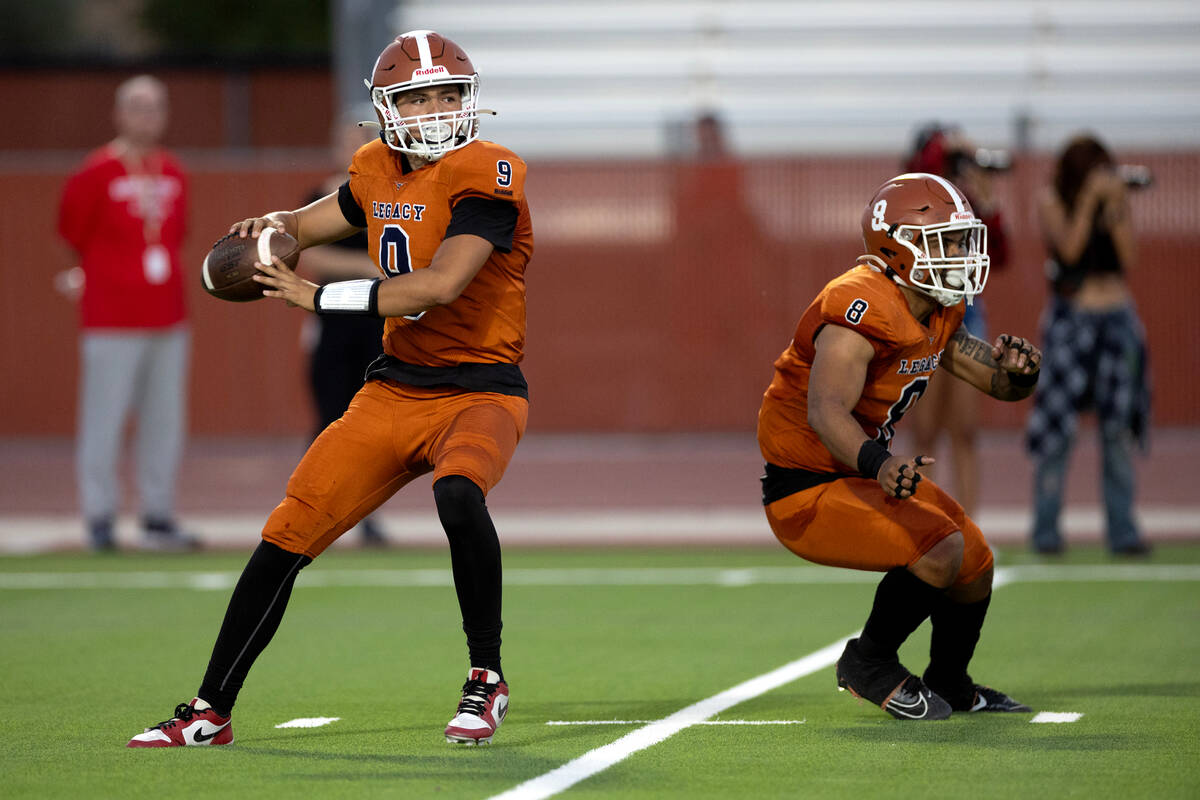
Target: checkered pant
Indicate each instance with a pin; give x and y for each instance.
(1091, 360)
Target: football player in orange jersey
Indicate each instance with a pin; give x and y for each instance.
(834, 494)
(448, 226)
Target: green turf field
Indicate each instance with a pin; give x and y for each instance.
(96, 648)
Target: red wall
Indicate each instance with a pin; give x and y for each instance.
(659, 293)
(649, 309)
(679, 332)
(66, 109)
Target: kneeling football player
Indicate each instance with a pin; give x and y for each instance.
(449, 228)
(834, 493)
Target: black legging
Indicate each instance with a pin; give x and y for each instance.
(262, 592)
(475, 560)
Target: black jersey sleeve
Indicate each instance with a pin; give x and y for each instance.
(494, 220)
(350, 208)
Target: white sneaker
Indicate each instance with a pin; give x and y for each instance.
(481, 710)
(187, 728)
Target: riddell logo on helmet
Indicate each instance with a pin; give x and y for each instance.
(429, 72)
(961, 216)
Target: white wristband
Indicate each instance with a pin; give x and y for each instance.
(349, 297)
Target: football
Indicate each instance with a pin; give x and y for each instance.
(229, 267)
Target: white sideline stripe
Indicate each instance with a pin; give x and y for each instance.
(702, 722)
(604, 757)
(307, 722)
(315, 577)
(32, 533)
(1056, 716)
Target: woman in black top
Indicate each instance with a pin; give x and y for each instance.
(1093, 341)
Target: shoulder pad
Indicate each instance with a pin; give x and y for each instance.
(373, 157)
(866, 303)
(485, 169)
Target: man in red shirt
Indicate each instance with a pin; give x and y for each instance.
(124, 213)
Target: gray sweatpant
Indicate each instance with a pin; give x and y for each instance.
(131, 371)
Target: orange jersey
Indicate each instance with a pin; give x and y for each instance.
(407, 214)
(906, 354)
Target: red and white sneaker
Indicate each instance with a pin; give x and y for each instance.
(188, 727)
(481, 710)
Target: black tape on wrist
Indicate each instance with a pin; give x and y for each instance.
(871, 457)
(1022, 380)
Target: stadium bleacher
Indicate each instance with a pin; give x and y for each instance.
(620, 78)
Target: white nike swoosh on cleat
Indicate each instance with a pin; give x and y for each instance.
(202, 734)
(905, 708)
(980, 703)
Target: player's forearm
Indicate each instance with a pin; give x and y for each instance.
(415, 292)
(319, 222)
(839, 431)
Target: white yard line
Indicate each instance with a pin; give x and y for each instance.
(1057, 716)
(648, 721)
(308, 722)
(602, 758)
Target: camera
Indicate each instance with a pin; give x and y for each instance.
(1135, 176)
(996, 160)
(981, 158)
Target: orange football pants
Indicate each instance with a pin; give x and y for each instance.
(853, 523)
(390, 434)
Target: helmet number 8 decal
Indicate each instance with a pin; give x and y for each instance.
(854, 313)
(877, 221)
(394, 256)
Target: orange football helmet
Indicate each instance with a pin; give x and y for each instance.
(920, 230)
(416, 60)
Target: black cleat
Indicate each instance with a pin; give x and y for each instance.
(988, 699)
(887, 684)
(972, 696)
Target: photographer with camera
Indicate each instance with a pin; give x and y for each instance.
(951, 405)
(1093, 341)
